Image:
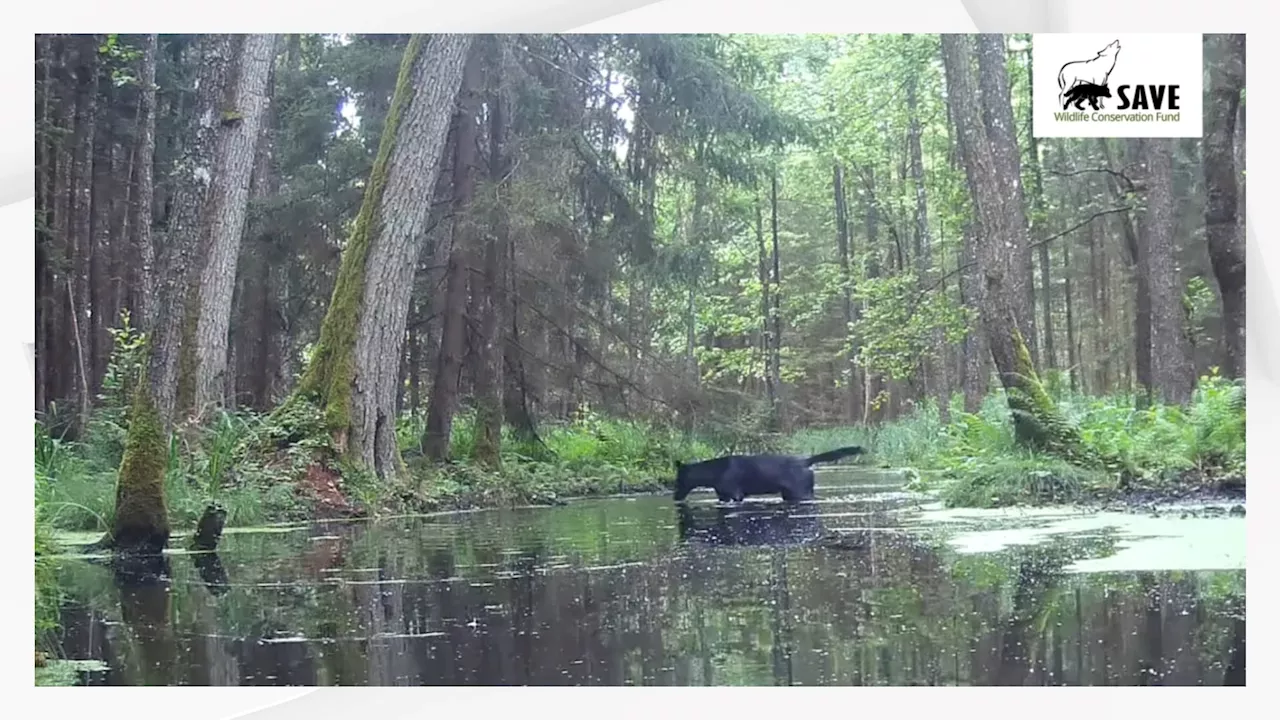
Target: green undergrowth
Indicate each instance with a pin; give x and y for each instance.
(589, 455)
(251, 465)
(975, 460)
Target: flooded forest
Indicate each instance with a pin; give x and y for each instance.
(372, 359)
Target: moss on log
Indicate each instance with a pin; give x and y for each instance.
(141, 522)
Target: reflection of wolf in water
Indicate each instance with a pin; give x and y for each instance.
(763, 527)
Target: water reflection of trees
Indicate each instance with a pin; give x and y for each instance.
(594, 601)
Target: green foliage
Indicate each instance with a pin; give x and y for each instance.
(976, 459)
(1199, 303)
(895, 329)
(48, 594)
(124, 366)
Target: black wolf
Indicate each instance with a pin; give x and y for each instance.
(1083, 92)
(734, 477)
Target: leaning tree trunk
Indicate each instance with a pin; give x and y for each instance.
(1223, 229)
(1037, 420)
(141, 518)
(227, 209)
(1172, 372)
(353, 372)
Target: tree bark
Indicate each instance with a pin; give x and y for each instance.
(853, 404)
(766, 333)
(141, 521)
(1172, 372)
(1037, 420)
(997, 110)
(976, 354)
(227, 209)
(142, 256)
(186, 224)
(444, 400)
(1039, 217)
(775, 369)
(934, 365)
(489, 379)
(86, 74)
(353, 372)
(1224, 231)
(1142, 293)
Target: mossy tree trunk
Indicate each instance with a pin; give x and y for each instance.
(228, 208)
(141, 521)
(1037, 420)
(354, 370)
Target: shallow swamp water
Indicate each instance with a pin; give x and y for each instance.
(869, 585)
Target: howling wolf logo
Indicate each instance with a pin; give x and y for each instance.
(1093, 72)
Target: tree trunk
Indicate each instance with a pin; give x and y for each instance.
(766, 339)
(1039, 218)
(997, 110)
(186, 225)
(873, 406)
(86, 74)
(60, 376)
(105, 190)
(1224, 230)
(261, 335)
(141, 518)
(934, 366)
(1073, 348)
(142, 255)
(353, 372)
(853, 404)
(777, 416)
(227, 209)
(489, 379)
(1037, 420)
(1142, 299)
(975, 355)
(1172, 373)
(46, 153)
(444, 400)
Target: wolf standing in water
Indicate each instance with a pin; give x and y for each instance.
(734, 477)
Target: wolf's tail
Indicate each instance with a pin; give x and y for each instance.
(833, 455)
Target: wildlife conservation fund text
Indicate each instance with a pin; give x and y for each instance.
(1077, 116)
